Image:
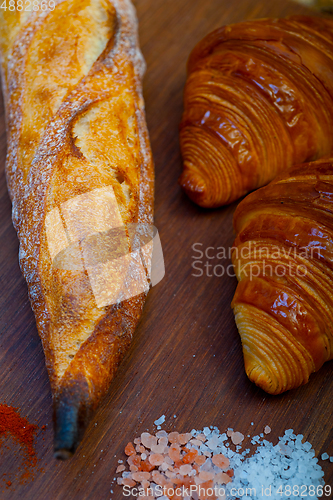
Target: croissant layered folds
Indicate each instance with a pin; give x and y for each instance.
(258, 99)
(79, 165)
(283, 258)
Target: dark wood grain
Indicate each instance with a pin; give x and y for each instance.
(186, 358)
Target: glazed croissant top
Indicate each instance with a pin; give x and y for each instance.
(79, 164)
(258, 99)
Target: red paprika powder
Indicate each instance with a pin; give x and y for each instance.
(21, 430)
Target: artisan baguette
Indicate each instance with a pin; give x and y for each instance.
(78, 165)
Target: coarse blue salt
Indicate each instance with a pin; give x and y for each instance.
(325, 456)
(206, 431)
(160, 420)
(289, 432)
(331, 459)
(203, 448)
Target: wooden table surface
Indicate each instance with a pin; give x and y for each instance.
(186, 357)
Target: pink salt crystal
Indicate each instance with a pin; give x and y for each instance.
(221, 461)
(196, 442)
(184, 438)
(174, 452)
(156, 459)
(206, 476)
(133, 468)
(222, 478)
(137, 441)
(168, 460)
(170, 474)
(127, 481)
(184, 470)
(163, 441)
(140, 476)
(143, 456)
(134, 460)
(237, 437)
(145, 484)
(230, 432)
(140, 449)
(119, 480)
(225, 478)
(148, 440)
(207, 453)
(200, 459)
(267, 429)
(197, 480)
(163, 467)
(201, 437)
(120, 468)
(159, 478)
(173, 437)
(158, 448)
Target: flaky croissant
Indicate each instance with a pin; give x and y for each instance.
(283, 259)
(258, 99)
(79, 166)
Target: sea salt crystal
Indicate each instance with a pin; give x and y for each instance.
(160, 420)
(161, 434)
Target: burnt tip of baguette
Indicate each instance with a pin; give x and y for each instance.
(71, 416)
(62, 454)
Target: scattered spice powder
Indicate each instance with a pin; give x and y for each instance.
(11, 423)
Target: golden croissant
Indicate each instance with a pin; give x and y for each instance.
(79, 170)
(258, 102)
(283, 259)
(258, 99)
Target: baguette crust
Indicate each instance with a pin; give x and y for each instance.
(75, 122)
